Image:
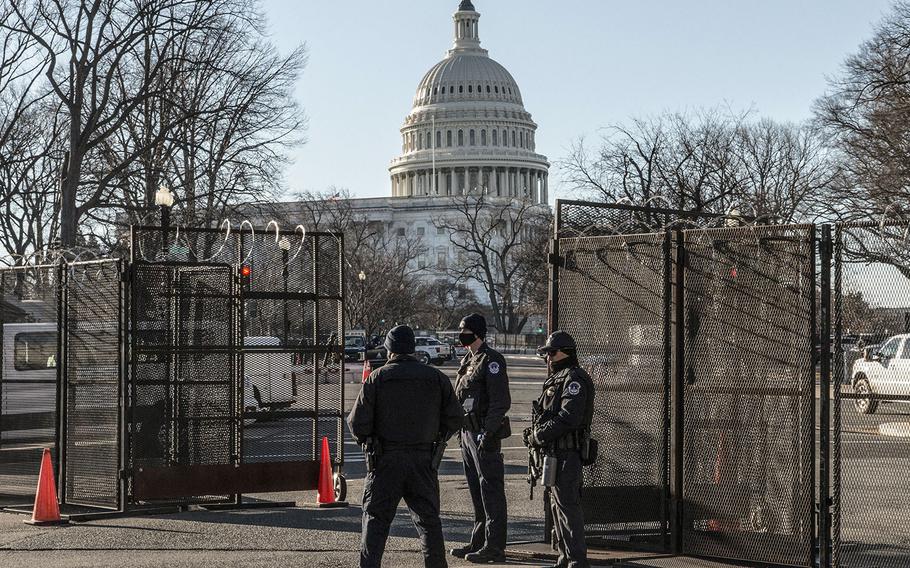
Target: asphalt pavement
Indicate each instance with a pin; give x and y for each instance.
(281, 537)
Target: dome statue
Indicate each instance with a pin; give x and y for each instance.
(468, 129)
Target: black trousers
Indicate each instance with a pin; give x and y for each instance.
(565, 506)
(485, 473)
(402, 474)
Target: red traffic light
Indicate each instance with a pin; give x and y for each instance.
(245, 271)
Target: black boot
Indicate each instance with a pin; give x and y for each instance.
(462, 551)
(486, 556)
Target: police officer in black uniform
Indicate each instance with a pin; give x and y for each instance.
(566, 410)
(482, 388)
(405, 410)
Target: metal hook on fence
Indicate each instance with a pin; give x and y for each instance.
(227, 236)
(881, 223)
(252, 234)
(302, 241)
(277, 230)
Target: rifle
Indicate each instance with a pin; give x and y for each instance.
(534, 454)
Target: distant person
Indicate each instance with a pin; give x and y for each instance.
(404, 414)
(482, 387)
(562, 427)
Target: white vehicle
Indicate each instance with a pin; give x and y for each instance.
(431, 350)
(28, 394)
(884, 370)
(269, 379)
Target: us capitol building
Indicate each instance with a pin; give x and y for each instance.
(468, 131)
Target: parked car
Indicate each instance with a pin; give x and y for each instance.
(355, 348)
(883, 370)
(431, 350)
(28, 392)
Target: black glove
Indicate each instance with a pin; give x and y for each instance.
(527, 436)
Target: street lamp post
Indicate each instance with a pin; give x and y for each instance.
(164, 199)
(285, 245)
(363, 301)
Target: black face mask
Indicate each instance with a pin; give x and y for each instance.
(466, 338)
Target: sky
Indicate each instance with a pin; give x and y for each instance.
(582, 65)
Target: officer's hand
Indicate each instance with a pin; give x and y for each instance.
(527, 436)
(482, 441)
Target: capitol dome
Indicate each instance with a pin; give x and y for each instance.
(468, 129)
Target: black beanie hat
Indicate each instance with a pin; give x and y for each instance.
(400, 339)
(475, 323)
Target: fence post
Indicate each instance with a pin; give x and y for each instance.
(677, 392)
(824, 464)
(60, 434)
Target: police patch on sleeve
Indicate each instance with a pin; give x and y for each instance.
(493, 367)
(573, 388)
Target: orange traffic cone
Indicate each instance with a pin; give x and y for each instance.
(326, 487)
(46, 511)
(366, 372)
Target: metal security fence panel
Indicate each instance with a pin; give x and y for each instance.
(92, 380)
(749, 394)
(292, 344)
(871, 411)
(614, 299)
(29, 298)
(183, 375)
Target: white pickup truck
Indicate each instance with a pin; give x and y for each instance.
(884, 370)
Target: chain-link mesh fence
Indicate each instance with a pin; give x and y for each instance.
(293, 337)
(871, 411)
(183, 384)
(614, 301)
(93, 339)
(28, 376)
(749, 401)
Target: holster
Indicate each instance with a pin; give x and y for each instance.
(472, 422)
(371, 453)
(439, 450)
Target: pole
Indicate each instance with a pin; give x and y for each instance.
(165, 226)
(284, 275)
(824, 438)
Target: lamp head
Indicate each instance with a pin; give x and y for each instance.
(164, 197)
(284, 244)
(362, 276)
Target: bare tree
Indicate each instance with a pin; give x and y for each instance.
(866, 114)
(390, 291)
(445, 303)
(495, 240)
(709, 161)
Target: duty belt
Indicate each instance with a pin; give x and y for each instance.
(568, 442)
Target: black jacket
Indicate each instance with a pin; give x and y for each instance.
(567, 404)
(405, 402)
(483, 377)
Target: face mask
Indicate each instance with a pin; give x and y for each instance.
(466, 338)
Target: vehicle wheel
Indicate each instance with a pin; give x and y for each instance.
(864, 405)
(424, 358)
(341, 487)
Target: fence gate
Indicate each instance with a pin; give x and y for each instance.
(93, 335)
(614, 299)
(184, 380)
(871, 411)
(749, 425)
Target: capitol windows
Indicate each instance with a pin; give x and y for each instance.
(420, 231)
(400, 231)
(435, 90)
(420, 141)
(514, 139)
(496, 89)
(469, 88)
(479, 89)
(449, 138)
(452, 90)
(495, 138)
(488, 88)
(439, 138)
(461, 137)
(460, 89)
(483, 137)
(441, 260)
(429, 139)
(471, 136)
(505, 138)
